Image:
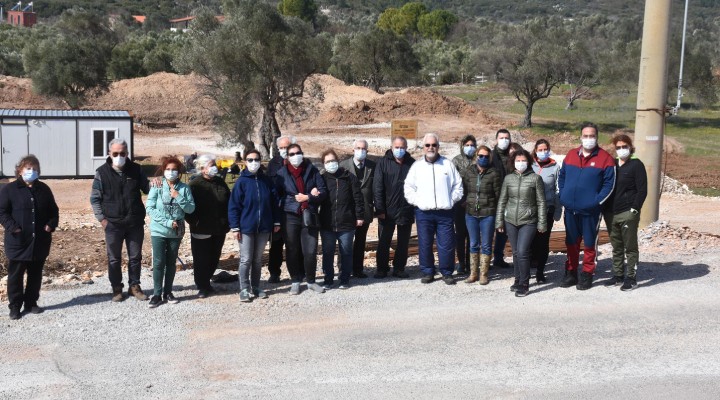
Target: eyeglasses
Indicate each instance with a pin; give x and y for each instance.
(121, 154)
(252, 160)
(483, 156)
(428, 145)
(622, 147)
(299, 153)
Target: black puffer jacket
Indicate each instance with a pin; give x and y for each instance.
(499, 161)
(29, 209)
(481, 200)
(344, 203)
(389, 193)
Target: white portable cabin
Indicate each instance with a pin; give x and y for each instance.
(68, 143)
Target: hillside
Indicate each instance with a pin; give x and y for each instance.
(469, 9)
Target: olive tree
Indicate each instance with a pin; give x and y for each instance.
(256, 63)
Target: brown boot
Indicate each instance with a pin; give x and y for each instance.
(117, 294)
(484, 268)
(137, 292)
(474, 262)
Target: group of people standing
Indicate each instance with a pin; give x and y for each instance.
(483, 195)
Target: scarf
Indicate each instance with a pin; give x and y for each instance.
(296, 173)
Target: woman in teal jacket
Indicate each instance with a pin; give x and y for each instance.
(167, 205)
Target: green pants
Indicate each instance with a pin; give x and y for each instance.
(165, 252)
(624, 239)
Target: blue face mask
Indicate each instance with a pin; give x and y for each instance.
(30, 175)
(483, 162)
(469, 150)
(398, 153)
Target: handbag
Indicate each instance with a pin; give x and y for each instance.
(310, 219)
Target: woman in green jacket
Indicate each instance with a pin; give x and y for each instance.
(521, 212)
(481, 187)
(167, 205)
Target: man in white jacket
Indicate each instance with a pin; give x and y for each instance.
(433, 185)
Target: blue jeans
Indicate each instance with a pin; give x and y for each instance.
(345, 241)
(521, 237)
(432, 224)
(480, 230)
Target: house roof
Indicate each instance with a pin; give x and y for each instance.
(20, 113)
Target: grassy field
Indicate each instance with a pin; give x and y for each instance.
(698, 130)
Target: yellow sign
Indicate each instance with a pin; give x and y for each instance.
(407, 128)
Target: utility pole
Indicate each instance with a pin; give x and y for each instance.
(652, 102)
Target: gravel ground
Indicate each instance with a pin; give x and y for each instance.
(379, 339)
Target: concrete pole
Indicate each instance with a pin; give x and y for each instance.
(652, 102)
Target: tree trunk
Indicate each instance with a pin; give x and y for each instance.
(527, 121)
(570, 104)
(269, 132)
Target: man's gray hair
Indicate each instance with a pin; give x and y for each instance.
(117, 141)
(399, 138)
(203, 160)
(432, 135)
(291, 138)
(359, 141)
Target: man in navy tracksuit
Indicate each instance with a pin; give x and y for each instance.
(586, 180)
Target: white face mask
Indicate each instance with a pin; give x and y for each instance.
(398, 152)
(212, 171)
(469, 150)
(360, 154)
(119, 161)
(503, 143)
(589, 143)
(283, 153)
(30, 175)
(331, 166)
(253, 166)
(171, 175)
(520, 166)
(623, 154)
(543, 155)
(296, 160)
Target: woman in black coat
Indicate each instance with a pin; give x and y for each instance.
(29, 214)
(342, 211)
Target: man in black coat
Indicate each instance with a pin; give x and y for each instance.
(392, 209)
(500, 155)
(117, 204)
(29, 214)
(364, 170)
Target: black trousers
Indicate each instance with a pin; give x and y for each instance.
(275, 256)
(461, 236)
(31, 293)
(540, 249)
(359, 249)
(206, 255)
(386, 228)
(301, 243)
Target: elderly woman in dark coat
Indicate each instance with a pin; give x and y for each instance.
(29, 214)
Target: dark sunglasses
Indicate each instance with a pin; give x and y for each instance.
(252, 160)
(622, 147)
(121, 154)
(431, 145)
(483, 156)
(295, 154)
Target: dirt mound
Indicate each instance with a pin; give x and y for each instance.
(337, 93)
(17, 93)
(405, 103)
(161, 97)
(661, 237)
